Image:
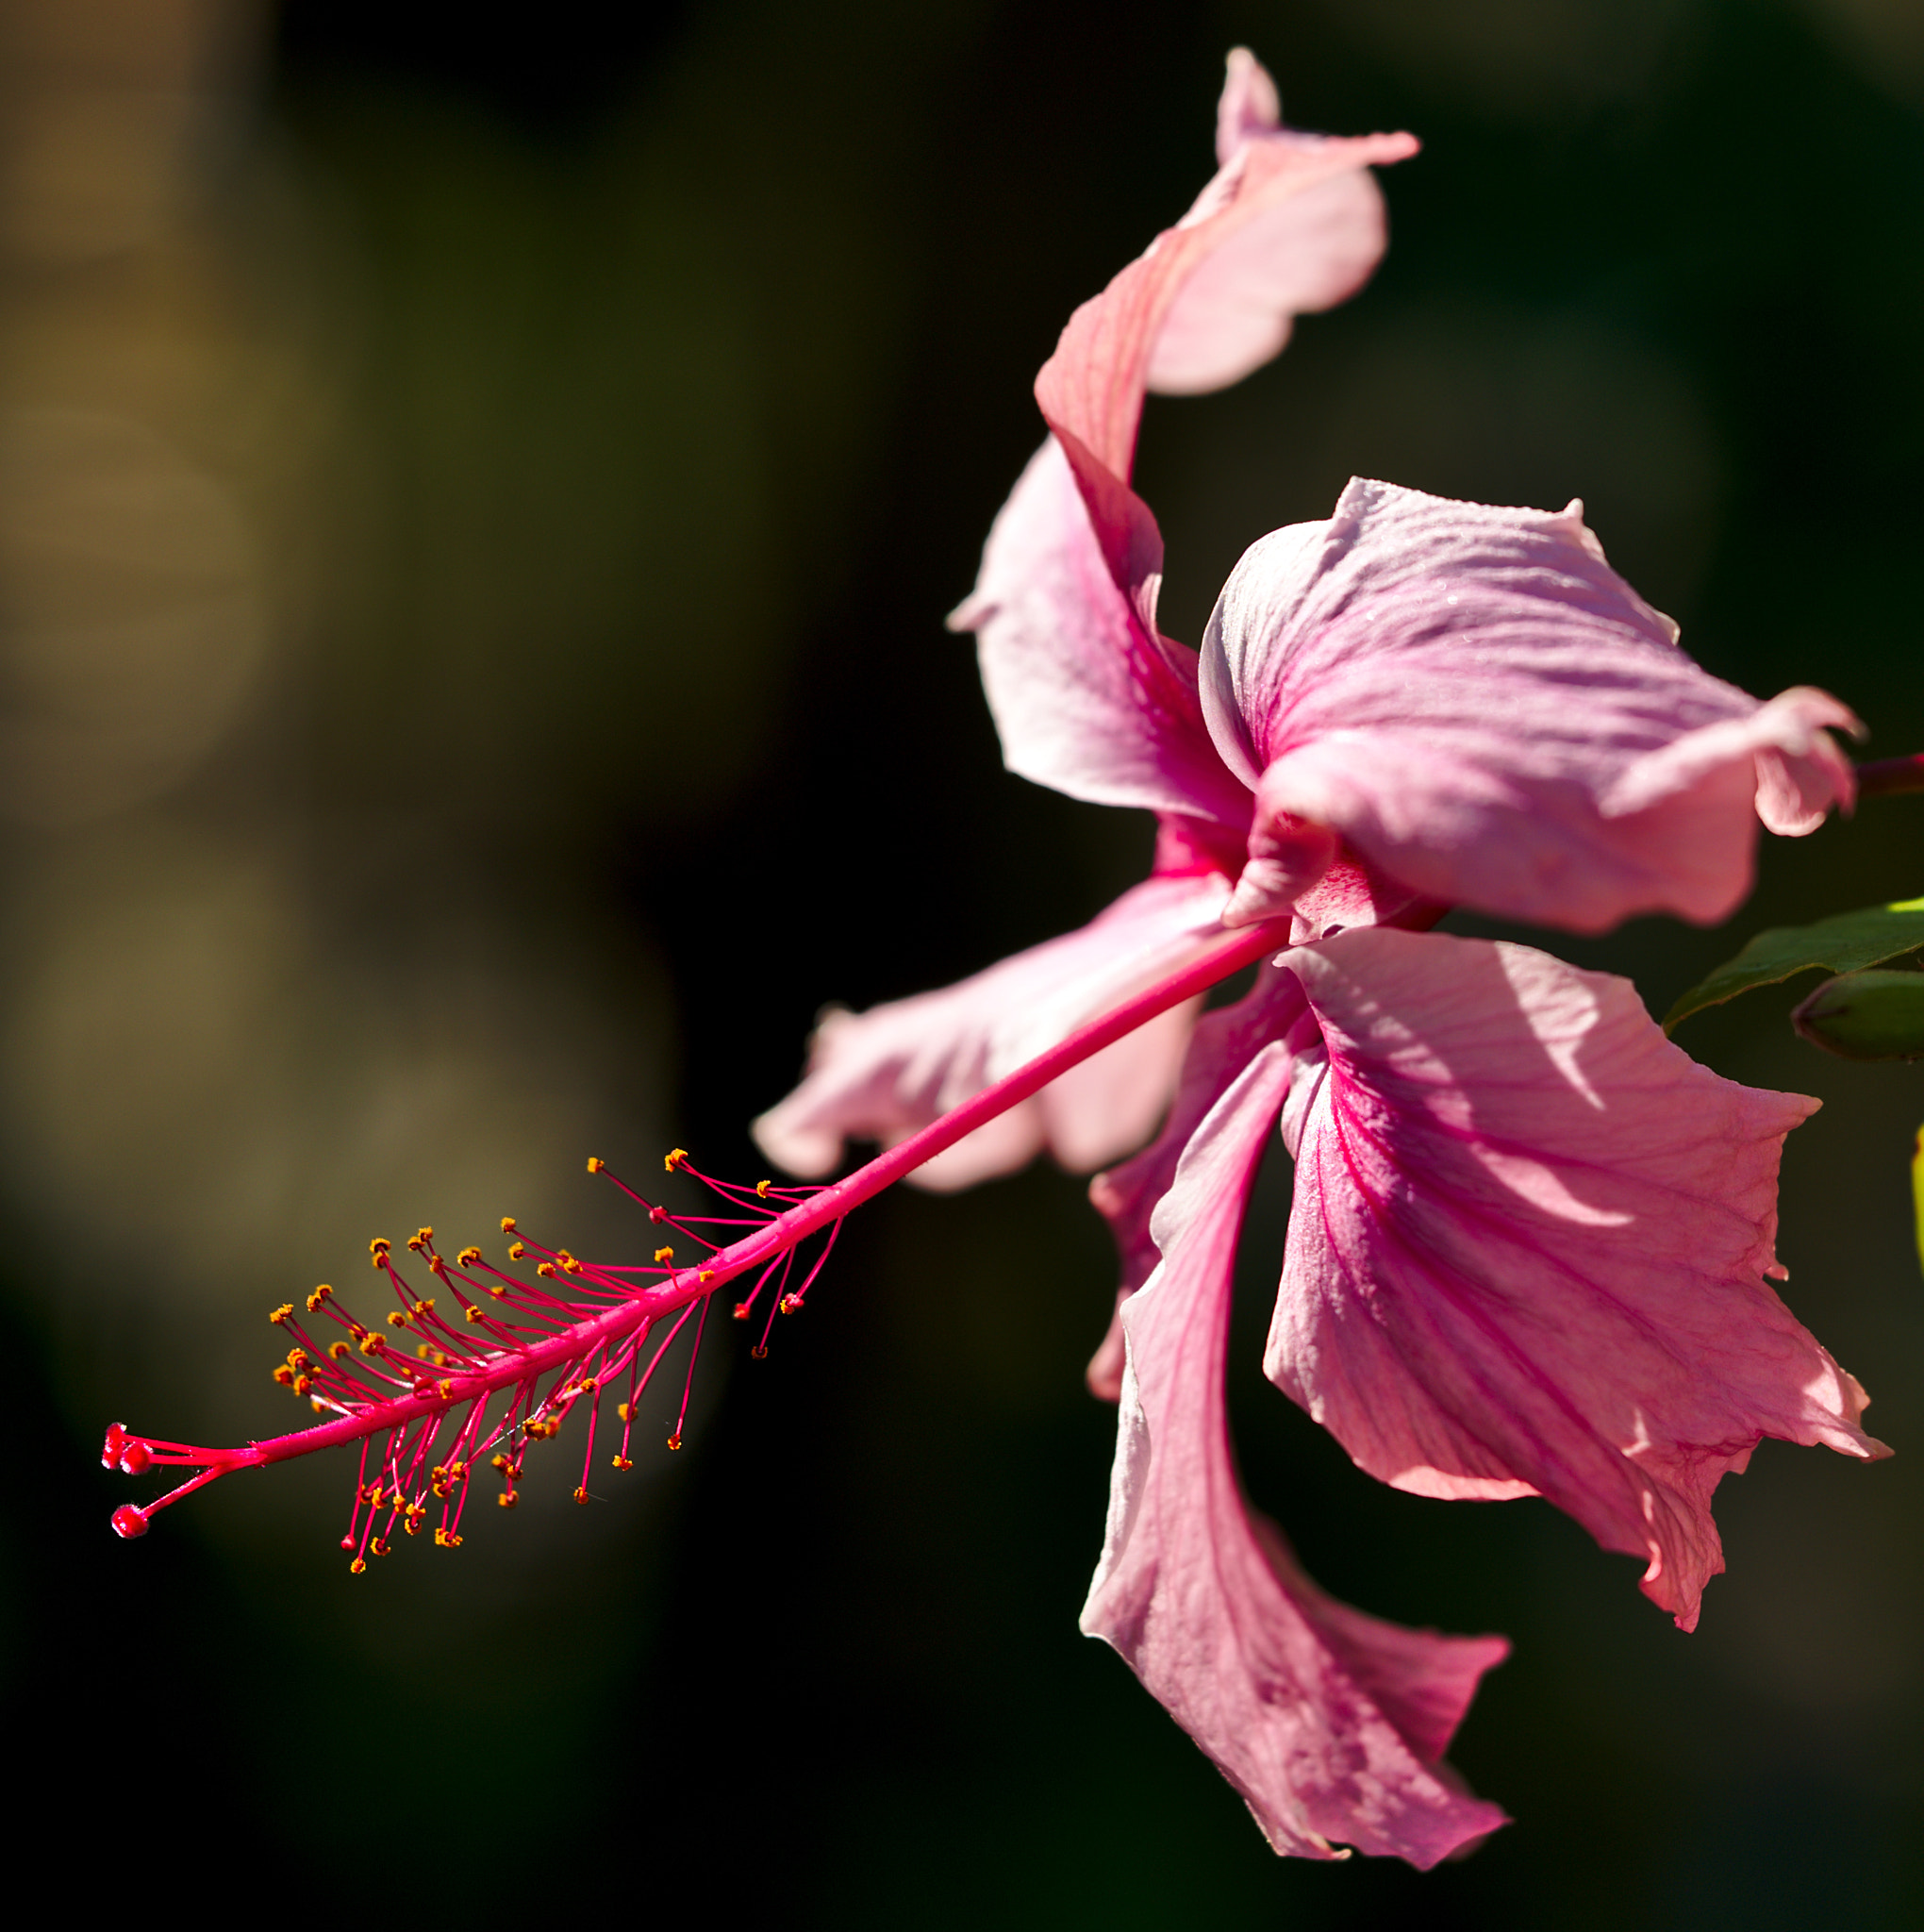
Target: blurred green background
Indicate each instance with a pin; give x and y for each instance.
(478, 498)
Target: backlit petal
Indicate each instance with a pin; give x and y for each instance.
(1475, 702)
(1329, 1723)
(882, 1075)
(1529, 1246)
(1087, 697)
(1126, 1195)
(1291, 223)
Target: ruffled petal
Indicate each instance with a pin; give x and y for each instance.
(1223, 1043)
(1290, 222)
(886, 1073)
(1478, 704)
(1329, 1723)
(1087, 697)
(1529, 1246)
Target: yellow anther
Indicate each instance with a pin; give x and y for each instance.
(589, 1385)
(547, 1268)
(357, 1567)
(320, 1295)
(397, 1317)
(762, 1188)
(437, 1474)
(285, 1376)
(379, 1246)
(622, 1462)
(705, 1274)
(302, 1384)
(337, 1349)
(373, 1345)
(674, 1441)
(514, 1253)
(379, 1548)
(446, 1539)
(581, 1495)
(320, 1407)
(473, 1313)
(567, 1261)
(297, 1358)
(468, 1257)
(664, 1254)
(412, 1525)
(458, 1470)
(495, 1289)
(424, 1234)
(379, 1259)
(423, 1352)
(499, 1462)
(423, 1308)
(507, 1224)
(445, 1387)
(277, 1316)
(595, 1163)
(623, 1411)
(789, 1303)
(508, 1499)
(675, 1158)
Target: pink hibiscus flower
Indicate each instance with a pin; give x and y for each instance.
(1531, 1242)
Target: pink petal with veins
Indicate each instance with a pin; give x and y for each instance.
(1330, 1723)
(1085, 696)
(1529, 1246)
(1290, 222)
(1475, 702)
(1222, 1045)
(1093, 385)
(886, 1073)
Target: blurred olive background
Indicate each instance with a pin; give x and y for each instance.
(478, 498)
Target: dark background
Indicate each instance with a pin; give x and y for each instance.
(479, 505)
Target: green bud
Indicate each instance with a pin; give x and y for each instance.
(1865, 1016)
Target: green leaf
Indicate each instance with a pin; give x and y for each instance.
(1865, 1016)
(1917, 1192)
(1845, 944)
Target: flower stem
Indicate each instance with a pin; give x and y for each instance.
(1887, 777)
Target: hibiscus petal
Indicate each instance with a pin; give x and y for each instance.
(1477, 703)
(1529, 1247)
(886, 1073)
(1087, 697)
(1329, 1723)
(1223, 1043)
(1291, 221)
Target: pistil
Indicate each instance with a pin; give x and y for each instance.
(586, 1323)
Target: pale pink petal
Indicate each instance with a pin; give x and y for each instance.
(1222, 1045)
(1091, 389)
(1529, 1246)
(1087, 697)
(1249, 104)
(1476, 703)
(1329, 1723)
(1302, 253)
(886, 1073)
(1804, 772)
